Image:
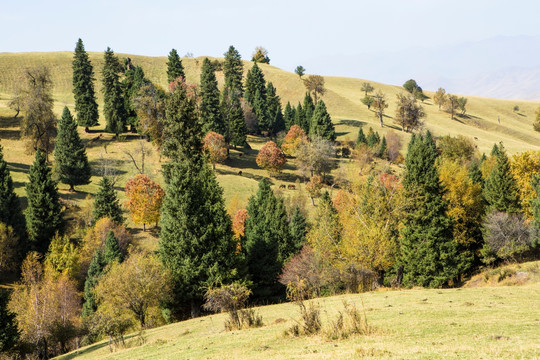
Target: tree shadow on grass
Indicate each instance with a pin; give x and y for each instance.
(10, 121)
(76, 195)
(10, 134)
(353, 123)
(18, 167)
(91, 348)
(240, 173)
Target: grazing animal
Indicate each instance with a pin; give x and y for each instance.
(282, 186)
(291, 187)
(240, 173)
(475, 138)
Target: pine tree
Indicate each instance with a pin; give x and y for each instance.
(288, 116)
(475, 174)
(211, 116)
(83, 88)
(300, 119)
(297, 230)
(134, 80)
(233, 70)
(428, 251)
(373, 138)
(234, 118)
(196, 241)
(9, 332)
(175, 69)
(361, 138)
(500, 189)
(268, 243)
(254, 82)
(70, 154)
(44, 212)
(94, 272)
(382, 152)
(277, 123)
(114, 109)
(106, 203)
(321, 123)
(10, 208)
(112, 251)
(261, 111)
(309, 109)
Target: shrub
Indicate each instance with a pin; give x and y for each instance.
(349, 322)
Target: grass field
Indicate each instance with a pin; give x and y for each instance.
(466, 323)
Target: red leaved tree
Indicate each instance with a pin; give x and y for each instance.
(215, 146)
(292, 140)
(144, 199)
(271, 158)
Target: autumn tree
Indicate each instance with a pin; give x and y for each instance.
(113, 109)
(456, 148)
(215, 147)
(524, 167)
(462, 103)
(34, 98)
(379, 105)
(300, 71)
(535, 209)
(295, 136)
(175, 69)
(86, 106)
(271, 158)
(315, 85)
(144, 200)
(210, 112)
(71, 162)
(314, 187)
(239, 226)
(233, 70)
(138, 286)
(409, 114)
(451, 105)
(536, 124)
(150, 107)
(440, 97)
(106, 203)
(63, 256)
(368, 101)
(321, 123)
(260, 55)
(44, 212)
(315, 157)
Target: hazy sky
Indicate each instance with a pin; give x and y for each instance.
(294, 32)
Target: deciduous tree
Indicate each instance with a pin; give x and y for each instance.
(440, 97)
(292, 140)
(524, 167)
(379, 105)
(315, 84)
(260, 55)
(366, 88)
(451, 104)
(215, 147)
(409, 114)
(271, 158)
(300, 71)
(150, 106)
(144, 200)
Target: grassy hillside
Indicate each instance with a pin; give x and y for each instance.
(468, 323)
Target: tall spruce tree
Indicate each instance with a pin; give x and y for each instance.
(44, 212)
(112, 252)
(475, 174)
(309, 109)
(10, 208)
(175, 69)
(382, 151)
(94, 272)
(254, 82)
(9, 331)
(321, 123)
(234, 119)
(288, 116)
(275, 114)
(106, 203)
(134, 80)
(86, 106)
(297, 230)
(233, 70)
(300, 119)
(500, 188)
(268, 242)
(361, 138)
(70, 154)
(427, 250)
(114, 107)
(210, 112)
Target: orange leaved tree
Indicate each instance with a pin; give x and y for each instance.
(292, 140)
(144, 199)
(271, 158)
(215, 146)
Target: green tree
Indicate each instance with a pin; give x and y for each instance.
(9, 332)
(114, 109)
(83, 88)
(234, 118)
(368, 101)
(428, 251)
(382, 152)
(373, 138)
(321, 123)
(536, 124)
(300, 119)
(233, 70)
(106, 203)
(462, 103)
(409, 114)
(440, 97)
(379, 105)
(10, 208)
(308, 108)
(44, 212)
(500, 188)
(361, 138)
(94, 271)
(366, 88)
(175, 69)
(535, 208)
(134, 80)
(297, 231)
(210, 112)
(112, 252)
(288, 116)
(451, 105)
(275, 114)
(70, 157)
(268, 243)
(300, 71)
(196, 242)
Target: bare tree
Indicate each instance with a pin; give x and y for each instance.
(315, 84)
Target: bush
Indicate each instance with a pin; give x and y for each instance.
(349, 322)
(306, 268)
(310, 314)
(506, 237)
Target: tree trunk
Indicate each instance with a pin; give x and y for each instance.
(399, 276)
(380, 120)
(143, 227)
(195, 309)
(71, 188)
(86, 130)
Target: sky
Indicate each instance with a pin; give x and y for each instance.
(309, 33)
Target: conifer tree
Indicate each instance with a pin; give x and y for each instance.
(500, 188)
(382, 152)
(44, 212)
(70, 154)
(112, 251)
(268, 242)
(475, 174)
(428, 251)
(277, 123)
(211, 115)
(9, 331)
(288, 116)
(254, 82)
(114, 109)
(321, 123)
(373, 138)
(134, 80)
(234, 119)
(361, 138)
(10, 208)
(309, 109)
(175, 69)
(300, 119)
(94, 272)
(233, 70)
(106, 203)
(297, 230)
(83, 88)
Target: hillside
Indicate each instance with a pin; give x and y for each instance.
(468, 323)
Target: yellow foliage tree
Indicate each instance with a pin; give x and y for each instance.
(144, 200)
(292, 140)
(524, 166)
